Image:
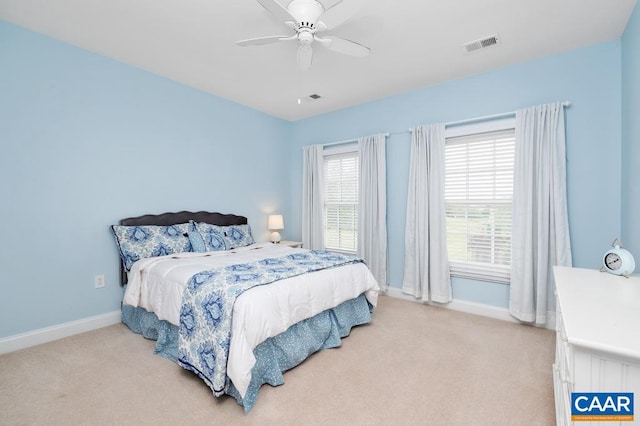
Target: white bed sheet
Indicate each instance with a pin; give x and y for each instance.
(156, 284)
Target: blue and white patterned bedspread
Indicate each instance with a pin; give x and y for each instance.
(207, 305)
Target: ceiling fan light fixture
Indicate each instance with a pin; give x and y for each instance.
(305, 11)
(305, 37)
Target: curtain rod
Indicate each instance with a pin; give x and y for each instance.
(450, 123)
(491, 117)
(346, 141)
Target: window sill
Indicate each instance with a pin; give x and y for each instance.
(480, 273)
(353, 253)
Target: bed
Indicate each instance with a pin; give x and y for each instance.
(235, 312)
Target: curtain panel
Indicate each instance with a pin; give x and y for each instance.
(426, 268)
(540, 230)
(372, 206)
(313, 197)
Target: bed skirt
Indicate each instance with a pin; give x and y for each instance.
(275, 355)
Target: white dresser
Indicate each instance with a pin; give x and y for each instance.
(598, 337)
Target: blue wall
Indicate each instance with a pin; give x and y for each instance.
(631, 136)
(86, 141)
(589, 78)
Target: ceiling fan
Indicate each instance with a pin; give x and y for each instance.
(303, 16)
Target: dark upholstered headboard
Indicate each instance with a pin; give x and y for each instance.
(166, 219)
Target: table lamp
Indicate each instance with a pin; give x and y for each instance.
(276, 222)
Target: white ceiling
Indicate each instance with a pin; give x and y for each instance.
(414, 43)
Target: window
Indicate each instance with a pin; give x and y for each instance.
(478, 197)
(341, 199)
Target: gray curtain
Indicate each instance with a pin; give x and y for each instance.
(426, 267)
(372, 206)
(312, 197)
(540, 233)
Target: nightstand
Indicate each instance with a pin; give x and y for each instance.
(294, 244)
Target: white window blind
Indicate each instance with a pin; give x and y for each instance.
(341, 201)
(478, 197)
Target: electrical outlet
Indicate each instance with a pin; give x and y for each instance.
(99, 281)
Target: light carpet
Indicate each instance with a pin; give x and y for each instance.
(413, 365)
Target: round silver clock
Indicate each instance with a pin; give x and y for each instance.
(618, 261)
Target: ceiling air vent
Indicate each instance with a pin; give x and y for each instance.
(310, 98)
(481, 44)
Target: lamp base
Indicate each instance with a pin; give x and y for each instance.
(275, 237)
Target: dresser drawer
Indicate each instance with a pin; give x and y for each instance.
(562, 395)
(564, 353)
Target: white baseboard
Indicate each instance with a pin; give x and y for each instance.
(471, 308)
(49, 334)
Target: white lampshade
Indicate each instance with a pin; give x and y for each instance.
(275, 222)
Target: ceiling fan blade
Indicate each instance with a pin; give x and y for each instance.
(262, 40)
(342, 45)
(305, 56)
(328, 4)
(277, 10)
(340, 12)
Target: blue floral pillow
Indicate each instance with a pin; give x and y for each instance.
(238, 235)
(139, 242)
(196, 240)
(213, 236)
(197, 243)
